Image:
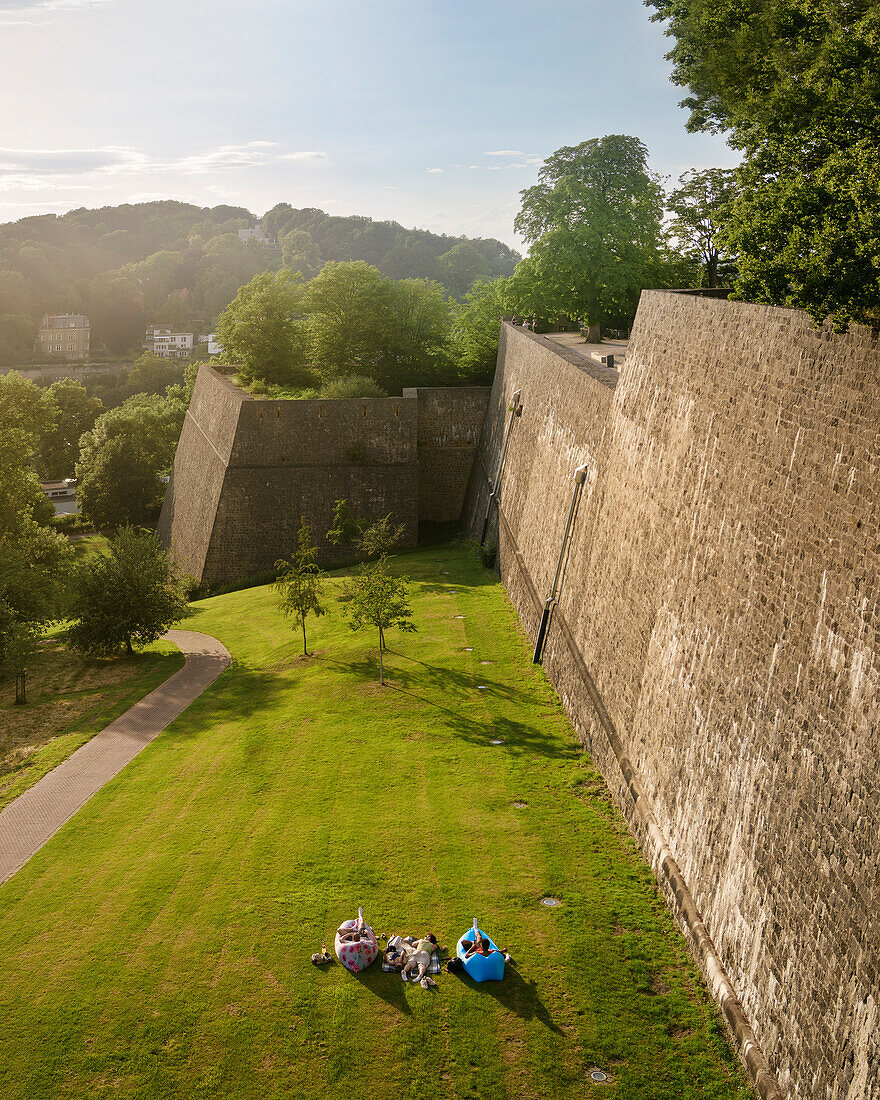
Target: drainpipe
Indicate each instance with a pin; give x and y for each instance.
(580, 476)
(515, 410)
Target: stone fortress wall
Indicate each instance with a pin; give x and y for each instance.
(717, 642)
(247, 469)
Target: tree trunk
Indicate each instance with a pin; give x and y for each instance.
(305, 650)
(128, 648)
(712, 270)
(21, 687)
(381, 668)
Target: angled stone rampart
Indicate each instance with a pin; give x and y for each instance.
(717, 643)
(246, 470)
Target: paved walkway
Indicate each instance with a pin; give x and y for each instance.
(575, 342)
(35, 816)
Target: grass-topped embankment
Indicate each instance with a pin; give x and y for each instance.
(159, 945)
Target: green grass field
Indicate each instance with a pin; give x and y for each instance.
(159, 945)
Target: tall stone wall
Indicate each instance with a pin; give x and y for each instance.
(716, 642)
(449, 425)
(246, 470)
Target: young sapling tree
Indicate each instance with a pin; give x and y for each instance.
(375, 597)
(300, 582)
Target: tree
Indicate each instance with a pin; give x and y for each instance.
(124, 458)
(299, 582)
(260, 331)
(129, 597)
(75, 414)
(374, 597)
(475, 330)
(34, 560)
(698, 205)
(349, 307)
(345, 529)
(380, 538)
(462, 266)
(595, 225)
(796, 86)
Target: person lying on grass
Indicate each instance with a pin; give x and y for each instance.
(418, 957)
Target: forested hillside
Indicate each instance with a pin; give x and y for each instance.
(127, 266)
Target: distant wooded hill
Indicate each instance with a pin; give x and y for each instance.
(169, 262)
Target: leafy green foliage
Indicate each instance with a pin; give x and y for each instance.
(345, 529)
(128, 597)
(797, 86)
(34, 560)
(76, 413)
(259, 331)
(380, 538)
(375, 597)
(124, 457)
(595, 225)
(349, 386)
(698, 205)
(299, 582)
(475, 330)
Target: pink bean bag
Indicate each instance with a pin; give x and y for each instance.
(358, 955)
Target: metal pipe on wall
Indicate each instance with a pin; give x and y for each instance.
(580, 476)
(515, 410)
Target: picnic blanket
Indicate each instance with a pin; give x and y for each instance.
(433, 968)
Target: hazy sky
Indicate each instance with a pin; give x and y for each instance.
(435, 113)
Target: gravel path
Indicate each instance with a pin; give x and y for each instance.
(35, 816)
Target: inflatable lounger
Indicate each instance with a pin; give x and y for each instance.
(357, 954)
(482, 968)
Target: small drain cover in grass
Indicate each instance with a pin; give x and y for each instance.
(551, 903)
(459, 616)
(444, 572)
(519, 805)
(468, 649)
(482, 687)
(598, 1075)
(487, 662)
(496, 742)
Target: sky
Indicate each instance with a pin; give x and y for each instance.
(433, 113)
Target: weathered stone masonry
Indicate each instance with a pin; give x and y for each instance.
(246, 470)
(716, 641)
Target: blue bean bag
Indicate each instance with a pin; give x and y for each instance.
(482, 968)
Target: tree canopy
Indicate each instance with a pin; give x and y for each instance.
(595, 225)
(796, 85)
(128, 597)
(698, 207)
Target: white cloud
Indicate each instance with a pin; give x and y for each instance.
(431, 170)
(38, 13)
(52, 169)
(506, 153)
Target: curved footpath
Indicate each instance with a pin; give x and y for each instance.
(35, 816)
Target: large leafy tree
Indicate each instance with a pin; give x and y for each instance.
(125, 456)
(34, 560)
(76, 413)
(127, 598)
(475, 330)
(595, 225)
(698, 207)
(796, 85)
(261, 331)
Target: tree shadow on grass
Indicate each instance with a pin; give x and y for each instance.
(516, 995)
(238, 693)
(387, 987)
(447, 681)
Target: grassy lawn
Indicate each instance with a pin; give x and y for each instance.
(70, 699)
(159, 945)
